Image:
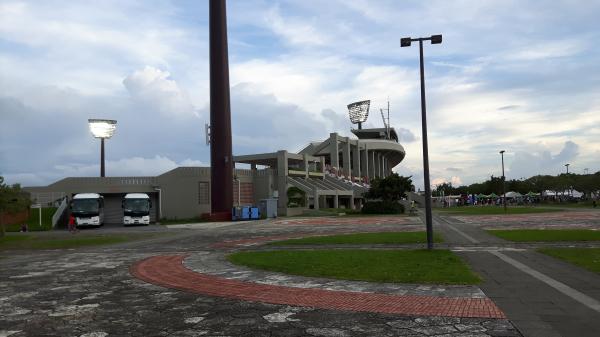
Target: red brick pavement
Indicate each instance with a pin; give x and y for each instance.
(372, 220)
(168, 271)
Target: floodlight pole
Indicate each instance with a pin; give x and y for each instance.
(405, 42)
(102, 157)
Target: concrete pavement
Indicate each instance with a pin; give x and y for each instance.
(541, 295)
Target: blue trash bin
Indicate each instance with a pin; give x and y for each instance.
(246, 213)
(254, 213)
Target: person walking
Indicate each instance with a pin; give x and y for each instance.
(72, 226)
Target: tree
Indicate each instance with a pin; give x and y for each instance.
(296, 197)
(12, 200)
(445, 188)
(390, 188)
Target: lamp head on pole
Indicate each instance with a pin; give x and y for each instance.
(102, 128)
(501, 152)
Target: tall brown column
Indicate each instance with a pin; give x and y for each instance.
(221, 161)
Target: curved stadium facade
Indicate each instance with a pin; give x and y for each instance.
(334, 172)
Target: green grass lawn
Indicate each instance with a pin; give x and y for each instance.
(493, 210)
(66, 240)
(581, 204)
(524, 235)
(336, 212)
(362, 238)
(399, 266)
(588, 258)
(33, 222)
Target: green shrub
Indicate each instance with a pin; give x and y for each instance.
(296, 197)
(382, 207)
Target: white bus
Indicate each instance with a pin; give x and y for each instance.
(136, 209)
(88, 209)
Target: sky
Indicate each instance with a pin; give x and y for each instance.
(521, 76)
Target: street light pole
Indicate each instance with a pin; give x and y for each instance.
(101, 157)
(503, 181)
(406, 42)
(567, 165)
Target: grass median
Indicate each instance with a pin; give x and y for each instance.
(588, 258)
(495, 210)
(397, 266)
(547, 235)
(32, 241)
(362, 238)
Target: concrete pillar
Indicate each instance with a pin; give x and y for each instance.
(376, 163)
(388, 170)
(371, 164)
(253, 167)
(356, 169)
(305, 160)
(334, 150)
(364, 162)
(346, 157)
(282, 174)
(336, 201)
(316, 198)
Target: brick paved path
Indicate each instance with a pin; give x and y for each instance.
(168, 271)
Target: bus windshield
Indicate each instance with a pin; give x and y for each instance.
(85, 206)
(137, 205)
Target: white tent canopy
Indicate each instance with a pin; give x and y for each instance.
(512, 194)
(573, 193)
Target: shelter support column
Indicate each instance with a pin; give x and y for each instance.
(346, 157)
(364, 161)
(282, 174)
(356, 169)
(305, 160)
(334, 151)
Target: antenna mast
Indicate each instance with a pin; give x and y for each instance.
(386, 121)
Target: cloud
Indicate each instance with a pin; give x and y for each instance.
(543, 161)
(530, 86)
(454, 180)
(296, 31)
(152, 88)
(508, 107)
(547, 49)
(405, 135)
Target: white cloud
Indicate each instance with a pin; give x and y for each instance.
(543, 161)
(296, 31)
(153, 88)
(547, 49)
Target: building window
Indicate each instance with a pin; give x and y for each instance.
(203, 193)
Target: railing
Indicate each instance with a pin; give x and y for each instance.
(46, 198)
(59, 212)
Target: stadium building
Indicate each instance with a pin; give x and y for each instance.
(334, 173)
